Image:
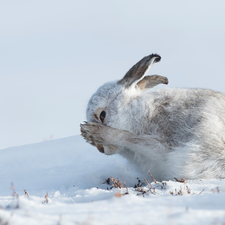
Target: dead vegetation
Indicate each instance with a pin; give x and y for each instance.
(202, 191)
(46, 199)
(139, 184)
(146, 187)
(25, 192)
(118, 184)
(185, 190)
(150, 189)
(153, 177)
(139, 187)
(175, 192)
(142, 191)
(15, 195)
(217, 190)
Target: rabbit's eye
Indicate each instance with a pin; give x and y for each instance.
(102, 116)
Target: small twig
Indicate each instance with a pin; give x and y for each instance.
(73, 200)
(14, 194)
(46, 199)
(201, 191)
(188, 190)
(152, 177)
(180, 191)
(25, 192)
(127, 192)
(143, 191)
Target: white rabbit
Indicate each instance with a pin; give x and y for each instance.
(171, 132)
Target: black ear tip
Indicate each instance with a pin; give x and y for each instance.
(158, 57)
(166, 81)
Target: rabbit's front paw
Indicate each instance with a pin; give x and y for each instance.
(89, 139)
(93, 132)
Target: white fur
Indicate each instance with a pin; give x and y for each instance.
(171, 132)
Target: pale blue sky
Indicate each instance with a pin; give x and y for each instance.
(55, 54)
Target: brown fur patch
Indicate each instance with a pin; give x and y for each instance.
(151, 81)
(100, 148)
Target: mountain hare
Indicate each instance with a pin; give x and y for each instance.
(171, 132)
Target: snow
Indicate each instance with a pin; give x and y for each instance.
(74, 175)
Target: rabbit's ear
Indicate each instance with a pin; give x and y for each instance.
(139, 70)
(151, 81)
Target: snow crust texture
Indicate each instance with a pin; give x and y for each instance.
(73, 176)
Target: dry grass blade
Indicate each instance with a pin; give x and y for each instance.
(148, 183)
(14, 194)
(180, 191)
(188, 190)
(46, 199)
(152, 177)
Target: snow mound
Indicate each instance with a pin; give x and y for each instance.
(75, 175)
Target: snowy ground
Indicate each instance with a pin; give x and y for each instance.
(74, 175)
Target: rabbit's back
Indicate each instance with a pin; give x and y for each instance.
(180, 115)
(176, 116)
(191, 124)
